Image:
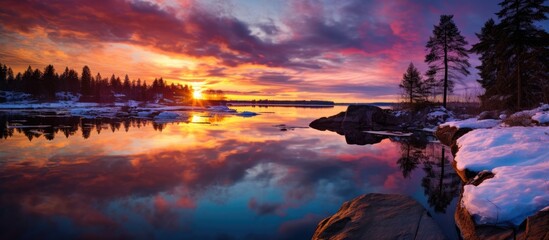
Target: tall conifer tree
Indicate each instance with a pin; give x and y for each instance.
(447, 52)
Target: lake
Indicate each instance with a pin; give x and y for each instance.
(215, 176)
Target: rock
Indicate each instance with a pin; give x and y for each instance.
(328, 123)
(356, 117)
(534, 227)
(363, 116)
(372, 117)
(537, 227)
(494, 114)
(448, 135)
(379, 216)
(480, 177)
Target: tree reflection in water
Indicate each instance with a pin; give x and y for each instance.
(441, 184)
(48, 126)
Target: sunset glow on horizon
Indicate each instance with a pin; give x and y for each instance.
(345, 51)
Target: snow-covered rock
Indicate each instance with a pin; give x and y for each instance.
(519, 159)
(514, 193)
(9, 96)
(221, 109)
(541, 117)
(440, 113)
(167, 115)
(472, 123)
(67, 96)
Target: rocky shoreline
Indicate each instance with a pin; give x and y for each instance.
(534, 227)
(360, 117)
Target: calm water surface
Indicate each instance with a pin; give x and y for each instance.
(215, 177)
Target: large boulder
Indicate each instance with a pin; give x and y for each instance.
(333, 123)
(379, 216)
(448, 135)
(356, 117)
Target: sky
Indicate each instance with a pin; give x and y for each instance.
(340, 50)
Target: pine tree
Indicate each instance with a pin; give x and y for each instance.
(412, 85)
(524, 49)
(447, 52)
(3, 77)
(126, 85)
(86, 80)
(485, 48)
(113, 82)
(49, 82)
(73, 81)
(26, 80)
(36, 84)
(64, 80)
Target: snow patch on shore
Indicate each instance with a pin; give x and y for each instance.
(485, 149)
(519, 158)
(168, 115)
(472, 123)
(541, 117)
(514, 193)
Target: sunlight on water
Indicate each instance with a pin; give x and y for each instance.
(212, 176)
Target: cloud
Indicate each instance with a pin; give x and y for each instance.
(341, 39)
(265, 208)
(199, 32)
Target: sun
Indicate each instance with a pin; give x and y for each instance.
(197, 94)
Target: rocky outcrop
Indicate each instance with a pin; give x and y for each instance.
(356, 117)
(379, 216)
(374, 118)
(534, 227)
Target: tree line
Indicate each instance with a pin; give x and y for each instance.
(514, 55)
(45, 84)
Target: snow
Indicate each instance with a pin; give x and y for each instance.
(436, 114)
(144, 114)
(542, 108)
(132, 103)
(519, 159)
(485, 149)
(541, 117)
(67, 96)
(168, 115)
(431, 130)
(399, 113)
(221, 109)
(514, 193)
(15, 96)
(53, 105)
(473, 123)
